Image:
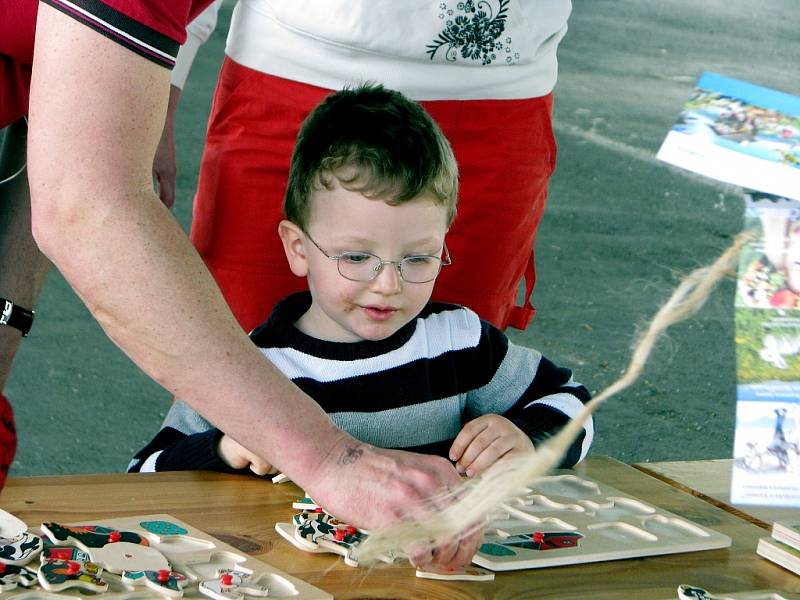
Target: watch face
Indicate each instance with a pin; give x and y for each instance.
(15, 316)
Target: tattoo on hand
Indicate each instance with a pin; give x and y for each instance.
(350, 456)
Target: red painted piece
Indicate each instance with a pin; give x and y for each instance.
(163, 575)
(73, 568)
(226, 579)
(114, 536)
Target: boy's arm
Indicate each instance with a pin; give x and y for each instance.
(186, 442)
(529, 390)
(173, 450)
(548, 404)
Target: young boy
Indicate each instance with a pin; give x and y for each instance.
(370, 197)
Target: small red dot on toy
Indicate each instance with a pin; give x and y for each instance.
(318, 510)
(2, 567)
(538, 537)
(114, 536)
(163, 575)
(226, 579)
(73, 567)
(338, 535)
(351, 530)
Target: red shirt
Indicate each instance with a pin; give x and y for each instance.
(153, 29)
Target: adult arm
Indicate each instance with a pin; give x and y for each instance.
(164, 163)
(96, 113)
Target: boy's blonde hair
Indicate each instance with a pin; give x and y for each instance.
(374, 141)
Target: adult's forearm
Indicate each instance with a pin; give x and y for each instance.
(133, 266)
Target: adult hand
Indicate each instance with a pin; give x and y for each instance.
(237, 456)
(374, 488)
(164, 163)
(485, 440)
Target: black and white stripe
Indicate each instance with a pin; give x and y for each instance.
(414, 390)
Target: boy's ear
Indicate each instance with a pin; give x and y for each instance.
(292, 237)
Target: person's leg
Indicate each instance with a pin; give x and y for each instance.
(506, 152)
(239, 202)
(22, 268)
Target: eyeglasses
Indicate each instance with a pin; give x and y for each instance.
(365, 266)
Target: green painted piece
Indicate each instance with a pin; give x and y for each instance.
(163, 528)
(496, 550)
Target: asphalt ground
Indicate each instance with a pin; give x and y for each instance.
(619, 232)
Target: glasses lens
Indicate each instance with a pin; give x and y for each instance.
(358, 266)
(420, 269)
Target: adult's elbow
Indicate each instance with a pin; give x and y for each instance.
(50, 216)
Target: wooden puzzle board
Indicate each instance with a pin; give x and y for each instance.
(566, 519)
(196, 554)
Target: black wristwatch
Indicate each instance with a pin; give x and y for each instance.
(15, 316)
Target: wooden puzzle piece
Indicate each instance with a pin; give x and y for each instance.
(536, 540)
(468, 573)
(59, 575)
(330, 534)
(11, 526)
(306, 503)
(90, 536)
(545, 540)
(287, 532)
(231, 584)
(163, 528)
(689, 592)
(13, 575)
(319, 532)
(128, 556)
(165, 582)
(65, 553)
(20, 549)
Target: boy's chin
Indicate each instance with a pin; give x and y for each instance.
(378, 332)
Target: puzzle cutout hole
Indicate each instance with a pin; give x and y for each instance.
(617, 508)
(623, 532)
(568, 486)
(219, 560)
(672, 527)
(179, 544)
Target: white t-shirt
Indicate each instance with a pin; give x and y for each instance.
(427, 49)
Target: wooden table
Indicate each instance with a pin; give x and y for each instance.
(242, 511)
(711, 481)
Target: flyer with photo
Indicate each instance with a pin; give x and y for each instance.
(766, 453)
(739, 133)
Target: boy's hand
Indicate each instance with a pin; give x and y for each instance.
(484, 441)
(238, 457)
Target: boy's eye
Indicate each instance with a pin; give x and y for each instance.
(355, 258)
(418, 260)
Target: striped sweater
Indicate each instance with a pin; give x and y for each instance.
(412, 391)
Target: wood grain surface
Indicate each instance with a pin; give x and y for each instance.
(242, 511)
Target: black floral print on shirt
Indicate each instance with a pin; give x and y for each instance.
(475, 32)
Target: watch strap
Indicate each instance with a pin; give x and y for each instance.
(14, 315)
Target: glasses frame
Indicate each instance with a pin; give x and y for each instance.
(443, 262)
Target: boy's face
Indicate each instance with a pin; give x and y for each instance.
(346, 221)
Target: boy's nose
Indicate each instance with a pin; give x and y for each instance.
(388, 280)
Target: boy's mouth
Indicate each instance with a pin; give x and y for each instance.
(379, 313)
